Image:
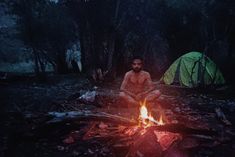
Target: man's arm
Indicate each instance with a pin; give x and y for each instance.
(123, 87)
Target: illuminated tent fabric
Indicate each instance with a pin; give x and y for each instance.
(193, 69)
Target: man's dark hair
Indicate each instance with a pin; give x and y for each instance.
(137, 57)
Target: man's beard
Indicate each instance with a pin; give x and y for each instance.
(137, 70)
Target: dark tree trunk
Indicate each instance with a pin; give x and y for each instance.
(36, 69)
(60, 62)
(39, 65)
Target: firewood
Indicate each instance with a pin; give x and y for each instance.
(145, 145)
(183, 129)
(54, 120)
(59, 117)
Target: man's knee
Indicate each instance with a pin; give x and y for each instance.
(153, 95)
(122, 98)
(122, 95)
(157, 93)
(127, 99)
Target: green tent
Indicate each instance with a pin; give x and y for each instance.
(193, 69)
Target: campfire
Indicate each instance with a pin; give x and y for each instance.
(151, 133)
(146, 119)
(147, 140)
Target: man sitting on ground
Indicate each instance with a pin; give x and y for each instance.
(137, 85)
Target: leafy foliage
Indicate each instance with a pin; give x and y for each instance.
(111, 31)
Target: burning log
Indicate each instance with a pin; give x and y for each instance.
(183, 129)
(44, 125)
(147, 120)
(146, 145)
(59, 117)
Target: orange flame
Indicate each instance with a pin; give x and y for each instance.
(146, 119)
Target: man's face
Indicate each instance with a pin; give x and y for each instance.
(136, 65)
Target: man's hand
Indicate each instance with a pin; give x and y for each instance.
(139, 96)
(129, 93)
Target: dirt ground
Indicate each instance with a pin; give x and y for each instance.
(61, 93)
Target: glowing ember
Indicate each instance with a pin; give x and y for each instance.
(160, 121)
(166, 138)
(146, 119)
